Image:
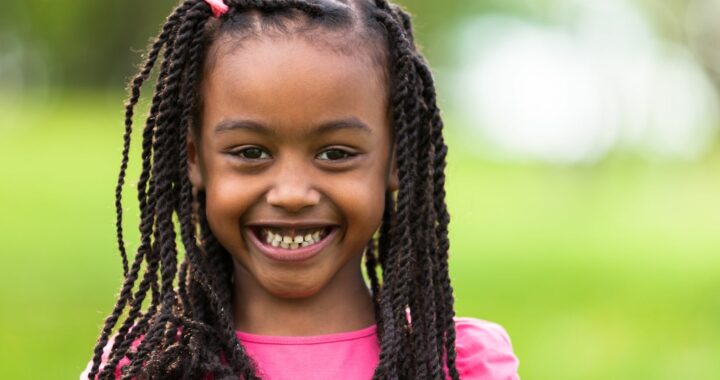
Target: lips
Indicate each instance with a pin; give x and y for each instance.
(294, 243)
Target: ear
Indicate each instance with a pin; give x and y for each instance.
(393, 180)
(193, 157)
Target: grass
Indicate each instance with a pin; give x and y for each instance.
(603, 272)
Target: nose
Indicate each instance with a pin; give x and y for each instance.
(292, 190)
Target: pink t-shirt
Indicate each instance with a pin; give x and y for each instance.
(484, 352)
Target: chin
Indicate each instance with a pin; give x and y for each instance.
(292, 290)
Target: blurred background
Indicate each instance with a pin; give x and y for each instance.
(583, 177)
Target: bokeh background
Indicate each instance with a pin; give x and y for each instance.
(583, 177)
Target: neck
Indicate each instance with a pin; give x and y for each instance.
(344, 304)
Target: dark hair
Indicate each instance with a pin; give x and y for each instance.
(188, 330)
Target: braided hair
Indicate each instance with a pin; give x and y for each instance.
(187, 330)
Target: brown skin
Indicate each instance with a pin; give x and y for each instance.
(286, 170)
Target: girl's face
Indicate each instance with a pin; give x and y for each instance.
(295, 145)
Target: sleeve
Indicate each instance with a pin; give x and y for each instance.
(484, 351)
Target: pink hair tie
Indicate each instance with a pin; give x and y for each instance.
(218, 7)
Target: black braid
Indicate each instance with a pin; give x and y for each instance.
(135, 87)
(164, 148)
(132, 275)
(188, 332)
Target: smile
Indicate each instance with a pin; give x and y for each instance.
(286, 244)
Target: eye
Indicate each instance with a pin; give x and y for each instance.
(334, 154)
(251, 153)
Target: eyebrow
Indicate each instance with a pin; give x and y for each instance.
(246, 125)
(351, 123)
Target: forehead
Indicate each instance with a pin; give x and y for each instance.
(290, 81)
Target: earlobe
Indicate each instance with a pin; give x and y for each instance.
(194, 173)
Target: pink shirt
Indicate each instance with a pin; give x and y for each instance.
(484, 352)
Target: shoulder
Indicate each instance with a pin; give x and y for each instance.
(484, 351)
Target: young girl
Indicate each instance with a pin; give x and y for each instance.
(287, 141)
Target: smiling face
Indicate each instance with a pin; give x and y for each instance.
(294, 155)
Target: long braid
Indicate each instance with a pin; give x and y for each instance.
(444, 323)
(144, 201)
(442, 277)
(130, 276)
(423, 337)
(423, 248)
(146, 225)
(396, 297)
(426, 251)
(164, 175)
(423, 305)
(135, 88)
(195, 319)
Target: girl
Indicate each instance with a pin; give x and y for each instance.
(286, 141)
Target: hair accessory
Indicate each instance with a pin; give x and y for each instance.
(218, 7)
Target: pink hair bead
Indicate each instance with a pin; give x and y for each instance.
(218, 7)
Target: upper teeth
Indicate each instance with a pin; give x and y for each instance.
(292, 242)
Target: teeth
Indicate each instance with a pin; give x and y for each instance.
(292, 242)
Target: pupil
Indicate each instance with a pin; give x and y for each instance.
(335, 155)
(253, 153)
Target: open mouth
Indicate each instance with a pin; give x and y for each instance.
(291, 239)
(291, 245)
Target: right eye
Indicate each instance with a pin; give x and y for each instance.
(251, 153)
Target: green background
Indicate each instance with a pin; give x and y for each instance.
(601, 271)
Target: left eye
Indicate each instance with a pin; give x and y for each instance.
(334, 155)
(252, 153)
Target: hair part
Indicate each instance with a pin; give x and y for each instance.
(194, 320)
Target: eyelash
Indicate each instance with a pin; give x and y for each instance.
(239, 153)
(347, 154)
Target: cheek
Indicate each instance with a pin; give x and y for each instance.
(227, 200)
(363, 201)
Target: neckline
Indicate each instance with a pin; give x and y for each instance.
(312, 339)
